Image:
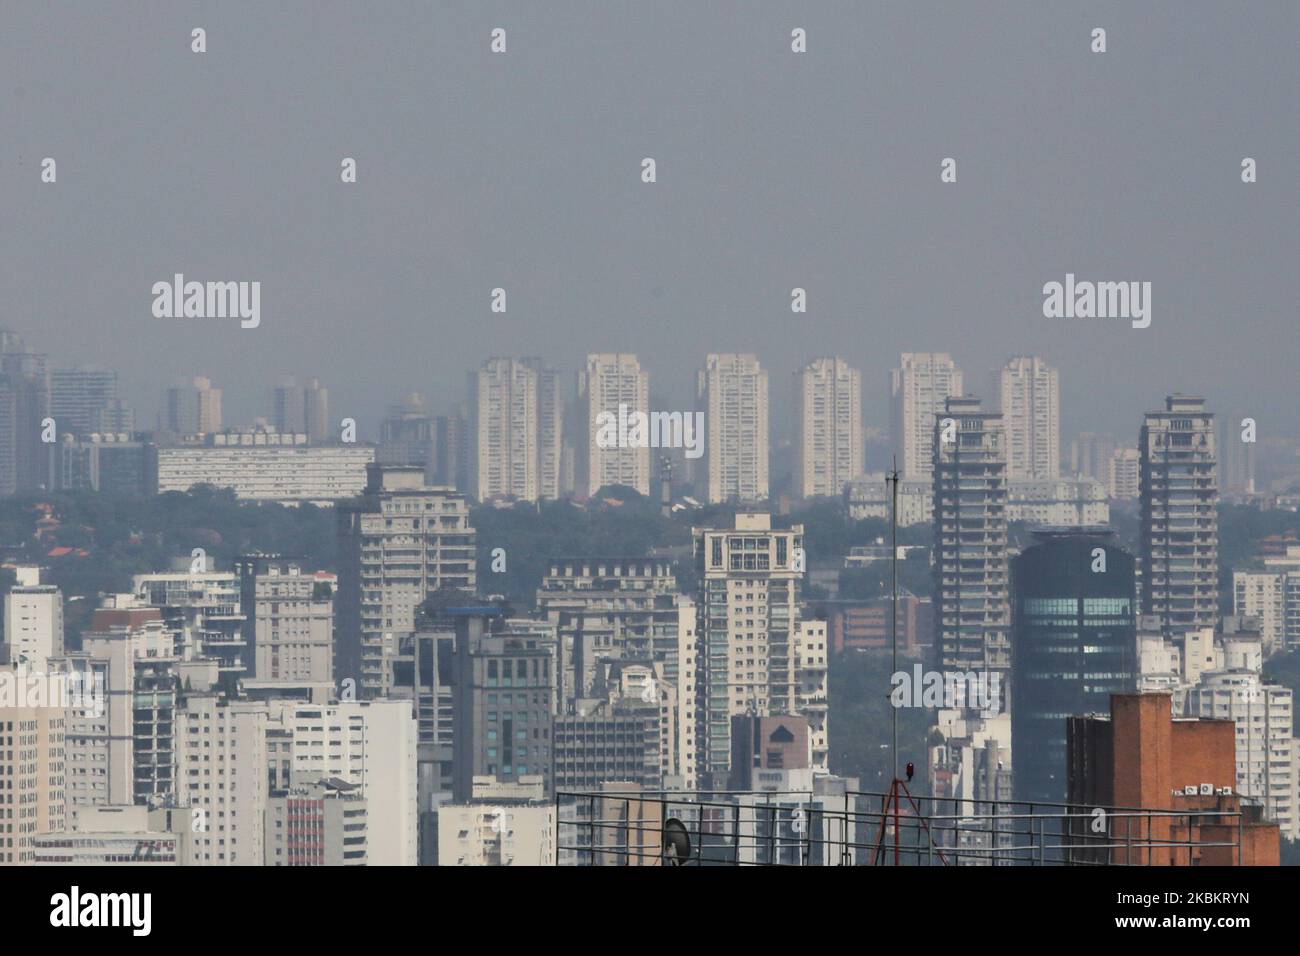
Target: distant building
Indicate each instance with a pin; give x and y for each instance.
(518, 426)
(191, 408)
(1030, 395)
(828, 415)
(303, 408)
(267, 466)
(1180, 522)
(1057, 501)
(84, 401)
(399, 541)
(972, 616)
(919, 390)
(609, 381)
(869, 497)
(1073, 644)
(1125, 474)
(112, 463)
(731, 391)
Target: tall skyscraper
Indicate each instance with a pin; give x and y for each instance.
(84, 401)
(1180, 521)
(828, 413)
(1073, 642)
(518, 422)
(748, 617)
(612, 380)
(919, 388)
(191, 408)
(1090, 455)
(302, 409)
(24, 404)
(316, 412)
(970, 549)
(1030, 394)
(398, 541)
(731, 390)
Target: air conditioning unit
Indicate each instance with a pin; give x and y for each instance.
(1224, 791)
(1207, 789)
(1189, 790)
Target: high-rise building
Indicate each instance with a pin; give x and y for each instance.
(972, 615)
(1090, 455)
(33, 621)
(24, 405)
(828, 413)
(1180, 522)
(221, 773)
(1030, 394)
(191, 408)
(316, 412)
(84, 401)
(406, 436)
(505, 700)
(1125, 475)
(1263, 717)
(110, 462)
(398, 541)
(518, 416)
(731, 390)
(919, 388)
(290, 615)
(32, 768)
(748, 616)
(1073, 644)
(370, 745)
(613, 384)
(121, 731)
(288, 407)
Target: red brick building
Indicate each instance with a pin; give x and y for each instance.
(1142, 757)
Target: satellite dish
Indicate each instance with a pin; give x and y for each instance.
(677, 842)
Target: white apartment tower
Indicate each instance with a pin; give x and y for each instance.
(370, 744)
(33, 620)
(1264, 720)
(919, 387)
(1180, 520)
(518, 417)
(397, 542)
(611, 380)
(828, 410)
(221, 774)
(972, 606)
(731, 390)
(32, 772)
(748, 622)
(1030, 393)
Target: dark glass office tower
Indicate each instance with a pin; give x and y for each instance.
(1073, 644)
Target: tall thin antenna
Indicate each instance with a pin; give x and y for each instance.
(891, 480)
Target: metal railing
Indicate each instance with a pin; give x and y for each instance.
(862, 828)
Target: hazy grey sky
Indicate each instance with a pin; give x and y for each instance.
(775, 170)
